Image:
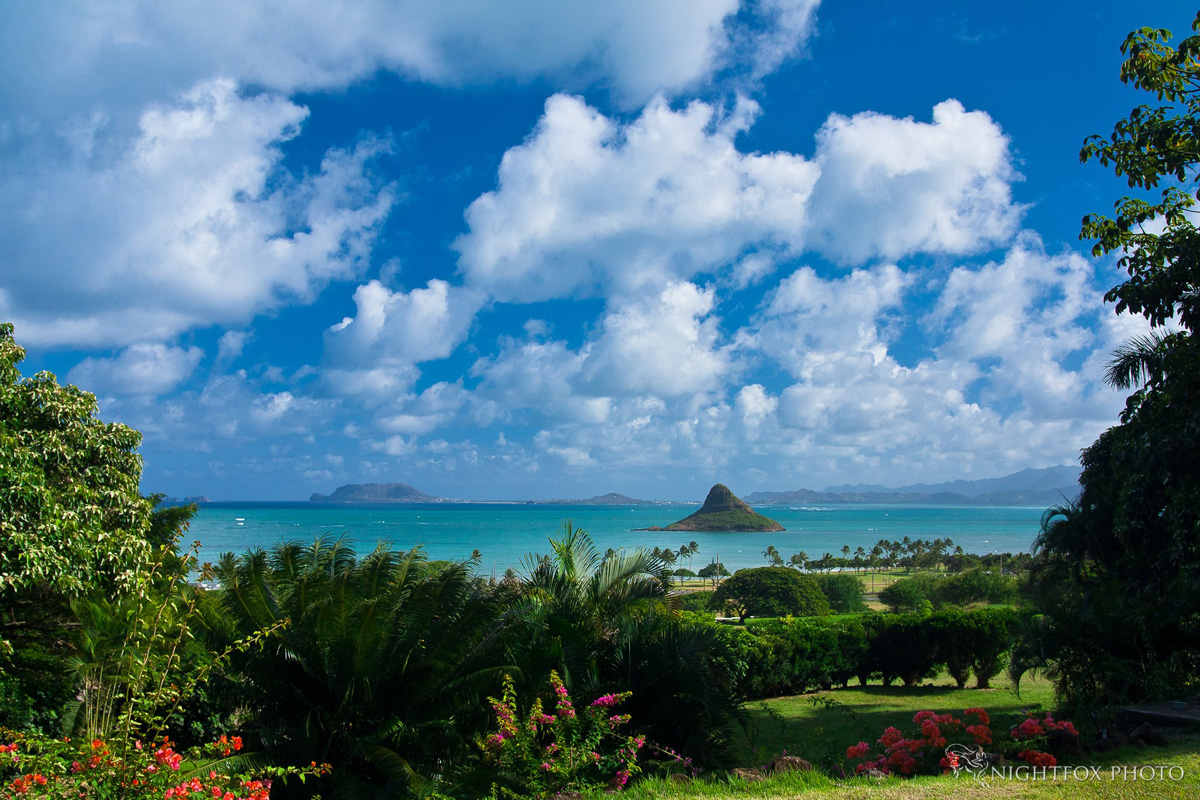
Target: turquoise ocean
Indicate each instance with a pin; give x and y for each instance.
(505, 533)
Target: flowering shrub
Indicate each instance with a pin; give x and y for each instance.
(1032, 731)
(37, 766)
(924, 751)
(545, 753)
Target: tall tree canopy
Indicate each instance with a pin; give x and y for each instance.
(1118, 570)
(70, 514)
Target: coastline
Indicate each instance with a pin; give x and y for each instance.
(506, 532)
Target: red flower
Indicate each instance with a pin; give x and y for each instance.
(1028, 729)
(979, 714)
(981, 733)
(1037, 759)
(890, 737)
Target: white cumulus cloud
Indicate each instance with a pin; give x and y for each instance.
(586, 204)
(192, 224)
(664, 345)
(892, 187)
(1020, 321)
(138, 370)
(59, 54)
(393, 331)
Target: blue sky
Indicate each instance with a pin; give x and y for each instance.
(544, 249)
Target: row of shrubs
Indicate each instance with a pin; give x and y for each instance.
(796, 655)
(778, 591)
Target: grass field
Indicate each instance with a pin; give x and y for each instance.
(874, 581)
(819, 728)
(820, 786)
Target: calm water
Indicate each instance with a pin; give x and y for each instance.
(505, 533)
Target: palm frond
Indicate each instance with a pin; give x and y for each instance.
(1139, 361)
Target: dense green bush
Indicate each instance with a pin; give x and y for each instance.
(843, 591)
(974, 586)
(927, 592)
(771, 592)
(954, 645)
(694, 601)
(906, 595)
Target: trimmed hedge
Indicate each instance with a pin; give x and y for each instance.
(793, 656)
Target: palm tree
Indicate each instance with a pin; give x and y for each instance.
(609, 625)
(873, 559)
(772, 556)
(578, 604)
(937, 549)
(799, 561)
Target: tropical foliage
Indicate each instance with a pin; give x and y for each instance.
(608, 623)
(71, 518)
(377, 663)
(581, 609)
(1118, 571)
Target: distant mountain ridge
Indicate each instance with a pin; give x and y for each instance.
(375, 493)
(1033, 487)
(1026, 479)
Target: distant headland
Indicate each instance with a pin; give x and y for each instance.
(610, 499)
(722, 511)
(375, 493)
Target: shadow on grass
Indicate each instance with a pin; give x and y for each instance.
(820, 726)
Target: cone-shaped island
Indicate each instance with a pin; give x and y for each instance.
(723, 511)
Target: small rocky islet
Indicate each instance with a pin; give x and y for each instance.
(722, 511)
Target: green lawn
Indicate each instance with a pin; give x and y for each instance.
(819, 786)
(821, 726)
